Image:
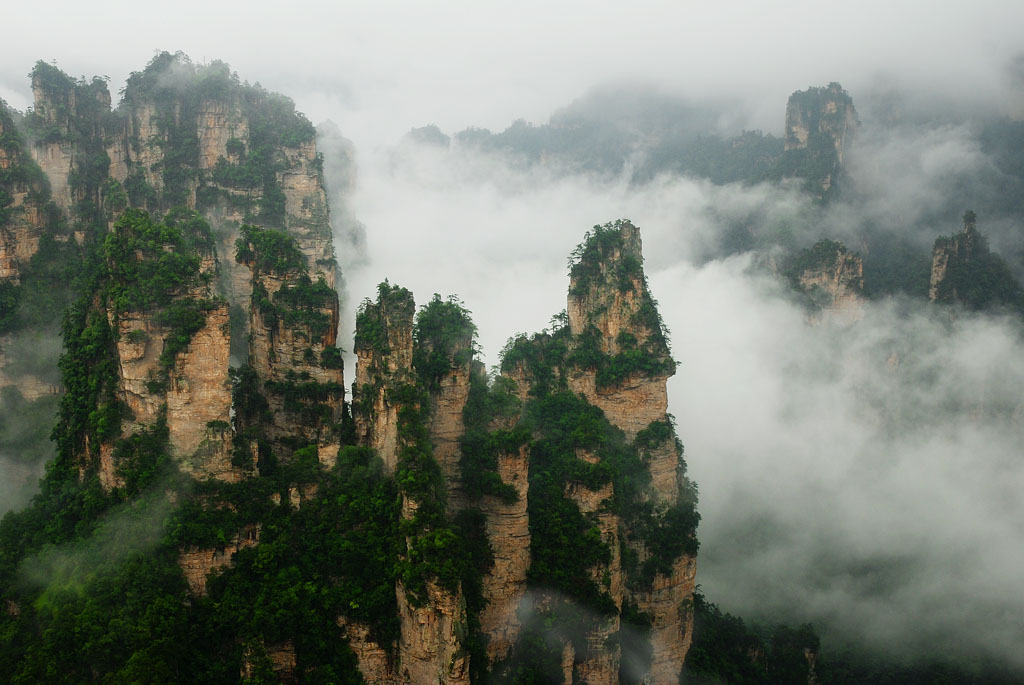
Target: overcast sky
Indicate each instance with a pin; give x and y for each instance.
(379, 68)
(788, 426)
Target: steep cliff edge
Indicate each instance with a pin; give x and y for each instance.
(445, 527)
(609, 301)
(170, 337)
(293, 325)
(611, 513)
(404, 406)
(24, 195)
(185, 135)
(383, 347)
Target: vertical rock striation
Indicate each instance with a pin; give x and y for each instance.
(609, 301)
(293, 326)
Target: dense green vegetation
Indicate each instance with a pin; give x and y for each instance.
(90, 583)
(483, 442)
(559, 427)
(371, 322)
(269, 251)
(612, 370)
(148, 263)
(599, 267)
(590, 260)
(726, 651)
(975, 276)
(178, 89)
(116, 581)
(19, 172)
(443, 337)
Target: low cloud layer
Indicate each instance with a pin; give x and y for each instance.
(863, 476)
(860, 475)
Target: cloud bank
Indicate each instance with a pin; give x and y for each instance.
(859, 475)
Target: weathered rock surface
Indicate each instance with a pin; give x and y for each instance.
(508, 531)
(821, 121)
(383, 364)
(375, 663)
(447, 426)
(429, 650)
(614, 307)
(599, 662)
(835, 283)
(952, 254)
(198, 563)
(22, 220)
(669, 603)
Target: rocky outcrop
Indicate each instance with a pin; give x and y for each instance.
(832, 278)
(951, 255)
(262, 662)
(24, 192)
(819, 124)
(388, 410)
(217, 123)
(291, 328)
(614, 304)
(375, 663)
(196, 397)
(197, 564)
(199, 401)
(306, 211)
(447, 402)
(609, 293)
(599, 662)
(965, 271)
(669, 603)
(508, 531)
(383, 349)
(430, 644)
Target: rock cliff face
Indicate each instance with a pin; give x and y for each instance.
(236, 221)
(614, 300)
(508, 531)
(819, 125)
(614, 305)
(293, 330)
(197, 564)
(610, 357)
(965, 271)
(952, 255)
(831, 277)
(212, 167)
(389, 400)
(430, 644)
(600, 659)
(23, 195)
(188, 390)
(24, 220)
(383, 348)
(447, 402)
